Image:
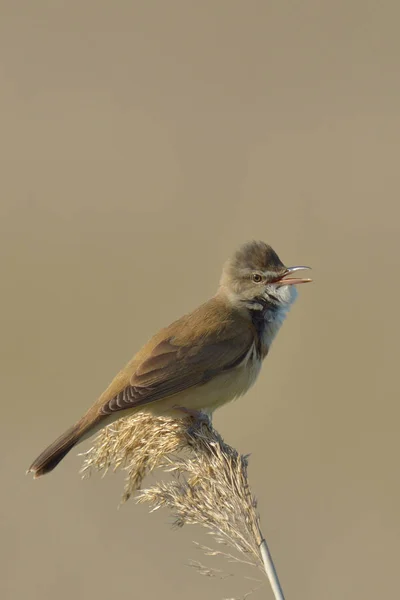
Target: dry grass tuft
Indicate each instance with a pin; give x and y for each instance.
(137, 445)
(209, 484)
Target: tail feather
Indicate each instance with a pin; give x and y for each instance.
(49, 458)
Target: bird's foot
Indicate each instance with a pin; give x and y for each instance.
(197, 415)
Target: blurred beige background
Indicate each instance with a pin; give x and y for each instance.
(141, 142)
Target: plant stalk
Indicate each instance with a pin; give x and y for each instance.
(271, 571)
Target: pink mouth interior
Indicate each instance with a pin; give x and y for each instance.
(293, 280)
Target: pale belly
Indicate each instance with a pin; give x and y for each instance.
(213, 394)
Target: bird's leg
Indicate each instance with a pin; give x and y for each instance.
(197, 415)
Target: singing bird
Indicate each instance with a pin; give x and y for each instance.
(204, 359)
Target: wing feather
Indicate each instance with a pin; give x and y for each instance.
(173, 366)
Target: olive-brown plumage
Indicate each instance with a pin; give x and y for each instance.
(202, 360)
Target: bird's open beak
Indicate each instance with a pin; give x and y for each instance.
(286, 280)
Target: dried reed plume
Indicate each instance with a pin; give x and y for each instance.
(209, 484)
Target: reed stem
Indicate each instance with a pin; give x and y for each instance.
(271, 571)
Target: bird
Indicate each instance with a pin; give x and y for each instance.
(204, 359)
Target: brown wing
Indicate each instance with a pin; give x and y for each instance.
(174, 366)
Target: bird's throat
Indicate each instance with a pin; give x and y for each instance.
(267, 321)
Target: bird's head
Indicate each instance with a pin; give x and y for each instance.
(255, 277)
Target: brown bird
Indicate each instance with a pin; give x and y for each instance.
(202, 360)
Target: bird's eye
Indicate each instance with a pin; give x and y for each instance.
(257, 277)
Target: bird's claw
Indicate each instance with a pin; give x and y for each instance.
(197, 415)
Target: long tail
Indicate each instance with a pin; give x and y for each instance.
(49, 458)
